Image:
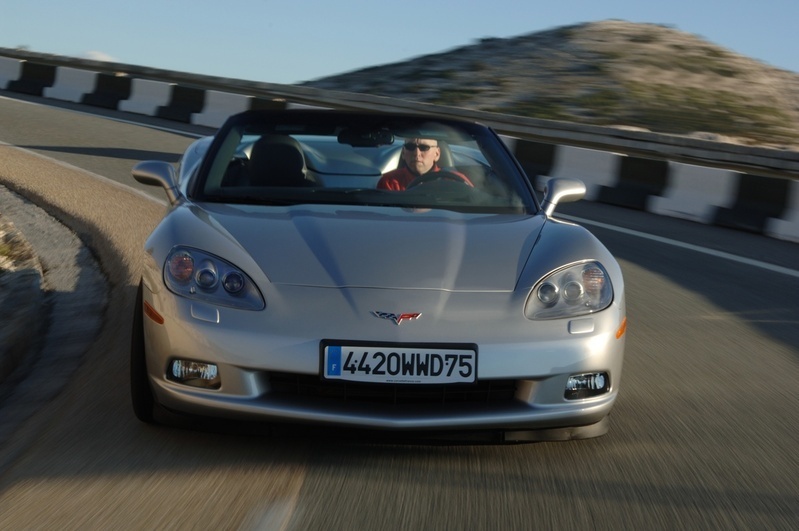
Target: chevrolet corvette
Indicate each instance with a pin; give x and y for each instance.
(291, 282)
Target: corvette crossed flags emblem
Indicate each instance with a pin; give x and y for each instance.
(397, 317)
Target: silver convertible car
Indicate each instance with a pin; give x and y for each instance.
(390, 272)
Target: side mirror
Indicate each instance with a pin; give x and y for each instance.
(158, 173)
(561, 191)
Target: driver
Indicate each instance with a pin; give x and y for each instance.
(421, 157)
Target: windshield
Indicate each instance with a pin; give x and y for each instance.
(327, 157)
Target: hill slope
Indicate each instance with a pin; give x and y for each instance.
(611, 73)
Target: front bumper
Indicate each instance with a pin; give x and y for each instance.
(260, 354)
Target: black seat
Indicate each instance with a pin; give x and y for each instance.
(277, 160)
(446, 160)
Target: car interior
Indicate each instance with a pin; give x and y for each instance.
(351, 161)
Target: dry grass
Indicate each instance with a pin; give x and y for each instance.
(14, 249)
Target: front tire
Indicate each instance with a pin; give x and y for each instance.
(140, 393)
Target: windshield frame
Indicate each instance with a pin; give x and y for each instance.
(310, 122)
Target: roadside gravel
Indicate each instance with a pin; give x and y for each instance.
(87, 233)
(52, 299)
(21, 299)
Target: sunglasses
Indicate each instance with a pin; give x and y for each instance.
(411, 146)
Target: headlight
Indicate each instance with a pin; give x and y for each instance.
(194, 274)
(574, 290)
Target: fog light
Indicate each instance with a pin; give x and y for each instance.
(587, 385)
(194, 373)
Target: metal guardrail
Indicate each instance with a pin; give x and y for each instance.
(755, 160)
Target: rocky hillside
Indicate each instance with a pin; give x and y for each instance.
(611, 73)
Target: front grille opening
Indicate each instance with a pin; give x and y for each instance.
(301, 385)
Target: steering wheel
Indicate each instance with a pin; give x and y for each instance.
(440, 176)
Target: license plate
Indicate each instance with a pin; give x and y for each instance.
(399, 365)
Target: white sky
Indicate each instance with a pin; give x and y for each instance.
(290, 41)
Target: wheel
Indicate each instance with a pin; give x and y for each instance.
(140, 393)
(440, 176)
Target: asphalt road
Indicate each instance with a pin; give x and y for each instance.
(704, 434)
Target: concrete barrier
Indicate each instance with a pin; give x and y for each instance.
(766, 205)
(757, 200)
(597, 169)
(10, 70)
(71, 84)
(146, 96)
(109, 91)
(705, 195)
(787, 227)
(33, 79)
(183, 103)
(263, 104)
(638, 180)
(219, 106)
(536, 158)
(695, 192)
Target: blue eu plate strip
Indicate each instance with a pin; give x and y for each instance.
(334, 361)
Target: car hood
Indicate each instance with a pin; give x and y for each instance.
(375, 247)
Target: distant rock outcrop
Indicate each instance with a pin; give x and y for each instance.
(611, 73)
